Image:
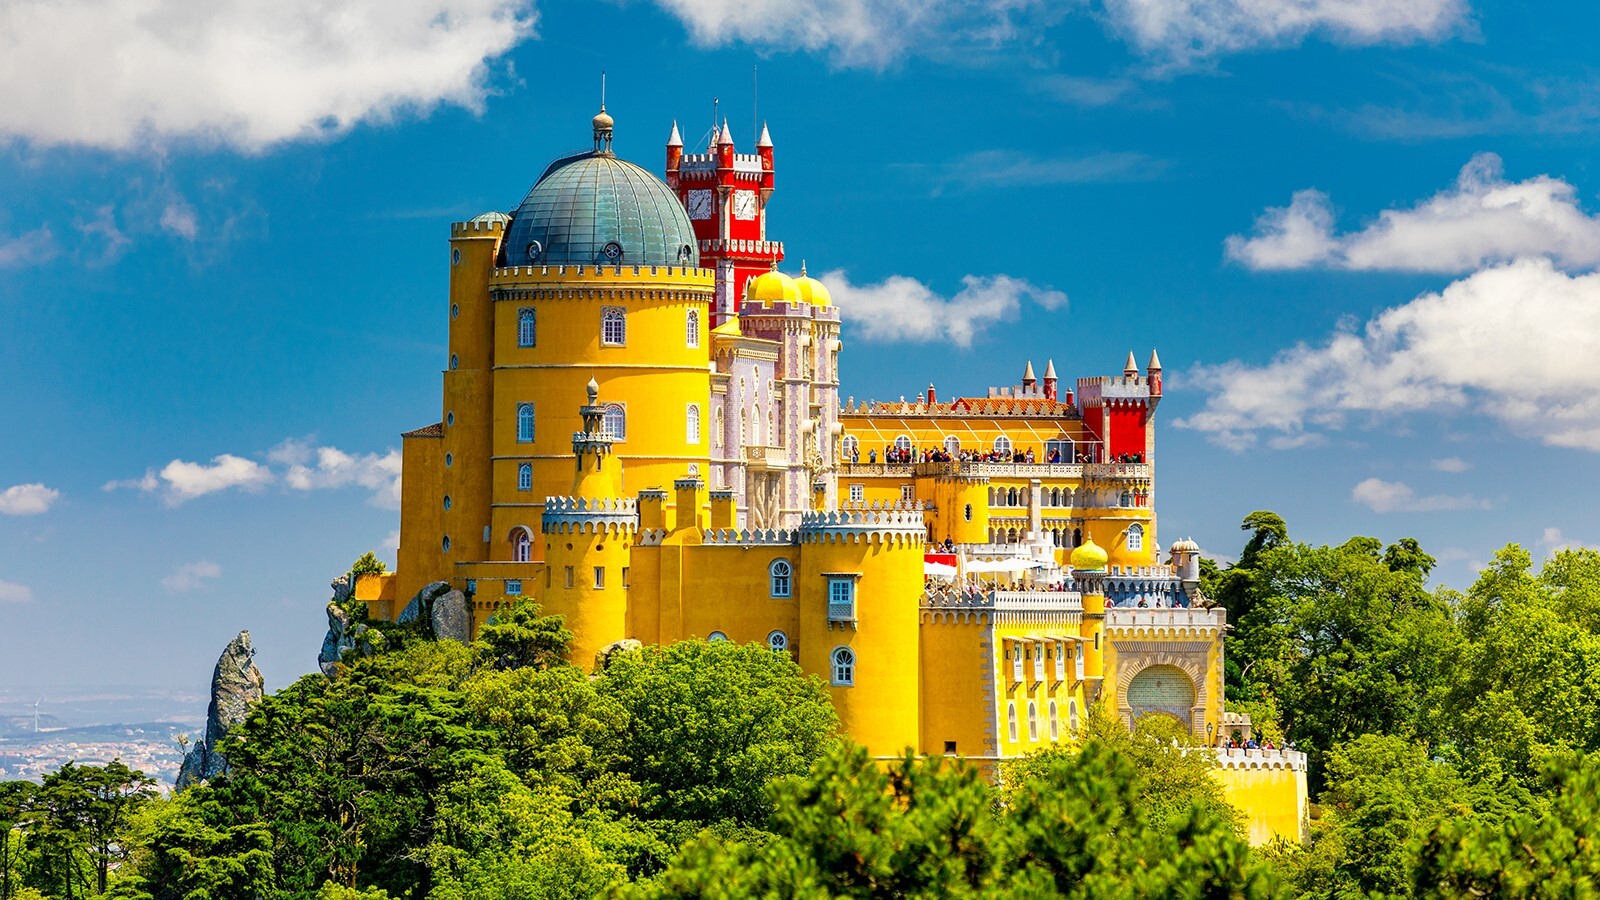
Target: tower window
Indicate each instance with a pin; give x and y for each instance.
(691, 328)
(844, 666)
(445, 543)
(1135, 537)
(572, 577)
(615, 422)
(782, 576)
(455, 310)
(691, 423)
(521, 545)
(525, 477)
(778, 642)
(599, 577)
(455, 362)
(524, 423)
(841, 599)
(448, 459)
(446, 501)
(613, 326)
(527, 327)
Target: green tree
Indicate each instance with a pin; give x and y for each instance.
(367, 564)
(76, 821)
(520, 637)
(200, 844)
(15, 797)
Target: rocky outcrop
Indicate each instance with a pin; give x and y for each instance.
(451, 618)
(236, 687)
(421, 606)
(612, 650)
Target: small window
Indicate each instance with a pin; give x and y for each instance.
(1002, 444)
(624, 577)
(615, 422)
(572, 577)
(717, 637)
(455, 310)
(949, 747)
(527, 327)
(782, 577)
(613, 326)
(599, 578)
(449, 418)
(472, 585)
(858, 493)
(522, 546)
(513, 587)
(850, 448)
(1055, 724)
(1011, 721)
(1033, 721)
(844, 666)
(1017, 651)
(524, 423)
(691, 423)
(445, 543)
(448, 459)
(903, 443)
(1135, 537)
(969, 512)
(1072, 716)
(447, 501)
(455, 362)
(691, 328)
(455, 256)
(952, 445)
(525, 477)
(842, 599)
(778, 642)
(908, 492)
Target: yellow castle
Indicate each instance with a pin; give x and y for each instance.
(642, 430)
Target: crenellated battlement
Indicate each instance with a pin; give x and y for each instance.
(478, 228)
(609, 275)
(584, 515)
(886, 524)
(752, 537)
(1260, 758)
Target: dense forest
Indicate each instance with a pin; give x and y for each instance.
(1451, 738)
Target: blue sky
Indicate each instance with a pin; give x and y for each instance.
(1360, 233)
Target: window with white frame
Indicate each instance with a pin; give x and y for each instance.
(952, 445)
(1072, 716)
(1061, 662)
(716, 637)
(527, 327)
(599, 577)
(1077, 669)
(1011, 721)
(1135, 537)
(1002, 444)
(524, 423)
(903, 443)
(908, 492)
(858, 493)
(1038, 651)
(1017, 650)
(691, 423)
(521, 545)
(525, 476)
(850, 448)
(844, 666)
(691, 328)
(513, 587)
(841, 599)
(615, 421)
(778, 642)
(613, 326)
(782, 575)
(1033, 721)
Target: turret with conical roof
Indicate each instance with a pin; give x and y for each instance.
(1153, 373)
(1028, 379)
(1050, 382)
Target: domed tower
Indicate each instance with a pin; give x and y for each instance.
(599, 278)
(1089, 571)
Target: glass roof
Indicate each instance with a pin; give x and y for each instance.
(583, 204)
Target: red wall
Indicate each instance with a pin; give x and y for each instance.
(1127, 430)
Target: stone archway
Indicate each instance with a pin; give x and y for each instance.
(1166, 661)
(1163, 690)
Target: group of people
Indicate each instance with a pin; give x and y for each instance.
(1250, 743)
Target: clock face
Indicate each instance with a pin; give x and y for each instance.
(700, 204)
(744, 205)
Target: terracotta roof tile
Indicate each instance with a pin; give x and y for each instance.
(434, 430)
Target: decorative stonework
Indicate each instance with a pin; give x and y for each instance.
(1188, 657)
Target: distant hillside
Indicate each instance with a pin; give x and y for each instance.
(14, 725)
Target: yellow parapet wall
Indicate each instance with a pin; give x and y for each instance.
(1269, 788)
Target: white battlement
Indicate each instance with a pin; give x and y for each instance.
(897, 525)
(1260, 758)
(737, 536)
(566, 515)
(598, 271)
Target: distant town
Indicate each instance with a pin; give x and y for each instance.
(81, 725)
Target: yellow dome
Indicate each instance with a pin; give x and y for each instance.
(1089, 557)
(773, 287)
(813, 291)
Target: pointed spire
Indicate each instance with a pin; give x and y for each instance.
(726, 137)
(1132, 368)
(677, 139)
(1027, 374)
(766, 137)
(802, 268)
(1155, 362)
(1050, 370)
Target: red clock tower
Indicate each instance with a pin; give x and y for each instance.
(726, 195)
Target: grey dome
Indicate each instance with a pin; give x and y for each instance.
(583, 203)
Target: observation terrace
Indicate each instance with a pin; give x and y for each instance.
(1084, 471)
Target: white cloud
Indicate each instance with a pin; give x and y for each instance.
(1517, 343)
(27, 249)
(1185, 31)
(238, 72)
(27, 499)
(180, 481)
(902, 309)
(854, 32)
(1394, 496)
(314, 468)
(191, 576)
(1452, 464)
(1012, 168)
(11, 592)
(179, 218)
(1483, 219)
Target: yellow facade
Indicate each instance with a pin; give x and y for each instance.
(603, 450)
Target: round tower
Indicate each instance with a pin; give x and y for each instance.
(1089, 571)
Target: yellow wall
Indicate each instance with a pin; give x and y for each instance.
(1273, 799)
(957, 686)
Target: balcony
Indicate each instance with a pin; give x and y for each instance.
(1005, 601)
(1165, 618)
(896, 470)
(766, 457)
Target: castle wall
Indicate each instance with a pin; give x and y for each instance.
(1269, 788)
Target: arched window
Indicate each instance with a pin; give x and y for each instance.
(1033, 721)
(691, 423)
(613, 326)
(778, 642)
(1011, 721)
(1002, 444)
(850, 448)
(615, 421)
(521, 545)
(782, 575)
(952, 445)
(1125, 500)
(1012, 497)
(527, 327)
(1072, 715)
(525, 477)
(844, 666)
(1055, 724)
(524, 423)
(1077, 537)
(691, 328)
(1135, 537)
(716, 637)
(1011, 535)
(903, 442)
